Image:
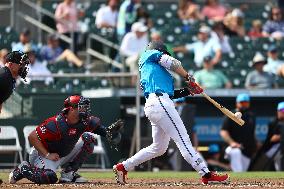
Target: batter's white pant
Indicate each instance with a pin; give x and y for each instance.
(39, 161)
(238, 161)
(166, 124)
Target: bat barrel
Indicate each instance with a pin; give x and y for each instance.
(225, 111)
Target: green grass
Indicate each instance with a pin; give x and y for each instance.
(172, 174)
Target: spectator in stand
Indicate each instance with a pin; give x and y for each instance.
(241, 140)
(210, 78)
(213, 10)
(213, 159)
(133, 43)
(274, 65)
(256, 29)
(258, 79)
(234, 23)
(53, 53)
(107, 16)
(25, 38)
(67, 15)
(106, 21)
(219, 35)
(3, 53)
(36, 67)
(188, 10)
(144, 17)
(204, 46)
(126, 17)
(274, 27)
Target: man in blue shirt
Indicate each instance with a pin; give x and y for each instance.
(158, 86)
(24, 38)
(204, 46)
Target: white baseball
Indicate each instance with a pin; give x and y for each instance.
(238, 115)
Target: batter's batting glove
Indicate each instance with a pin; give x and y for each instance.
(189, 78)
(113, 133)
(194, 88)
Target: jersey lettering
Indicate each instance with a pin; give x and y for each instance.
(42, 129)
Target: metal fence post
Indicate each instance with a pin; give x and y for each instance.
(12, 15)
(138, 107)
(88, 46)
(72, 45)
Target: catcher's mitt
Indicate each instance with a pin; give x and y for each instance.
(113, 133)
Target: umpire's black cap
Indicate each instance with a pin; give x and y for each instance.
(14, 57)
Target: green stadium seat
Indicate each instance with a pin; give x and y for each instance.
(7, 37)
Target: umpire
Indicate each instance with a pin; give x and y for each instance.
(16, 64)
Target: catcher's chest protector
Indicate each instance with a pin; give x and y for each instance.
(66, 135)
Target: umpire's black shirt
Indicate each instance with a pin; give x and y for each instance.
(245, 135)
(7, 84)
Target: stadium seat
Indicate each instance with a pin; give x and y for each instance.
(10, 133)
(7, 37)
(27, 130)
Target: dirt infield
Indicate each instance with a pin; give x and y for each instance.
(155, 183)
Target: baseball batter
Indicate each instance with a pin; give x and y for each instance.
(64, 140)
(158, 86)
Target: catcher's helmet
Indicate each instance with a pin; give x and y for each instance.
(158, 45)
(76, 101)
(20, 58)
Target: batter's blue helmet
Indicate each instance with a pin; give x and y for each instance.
(158, 45)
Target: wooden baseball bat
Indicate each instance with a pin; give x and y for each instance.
(224, 110)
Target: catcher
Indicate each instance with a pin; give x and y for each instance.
(64, 140)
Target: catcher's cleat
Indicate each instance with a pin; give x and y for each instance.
(120, 173)
(215, 178)
(16, 174)
(71, 177)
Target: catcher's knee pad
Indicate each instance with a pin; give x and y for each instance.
(89, 142)
(39, 175)
(88, 138)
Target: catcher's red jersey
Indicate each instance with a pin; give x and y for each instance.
(59, 137)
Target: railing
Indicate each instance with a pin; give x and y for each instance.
(37, 22)
(91, 52)
(11, 8)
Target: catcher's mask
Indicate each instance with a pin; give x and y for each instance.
(77, 101)
(20, 58)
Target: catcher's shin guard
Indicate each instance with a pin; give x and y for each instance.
(38, 175)
(85, 152)
(16, 174)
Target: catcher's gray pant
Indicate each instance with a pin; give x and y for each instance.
(79, 150)
(166, 124)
